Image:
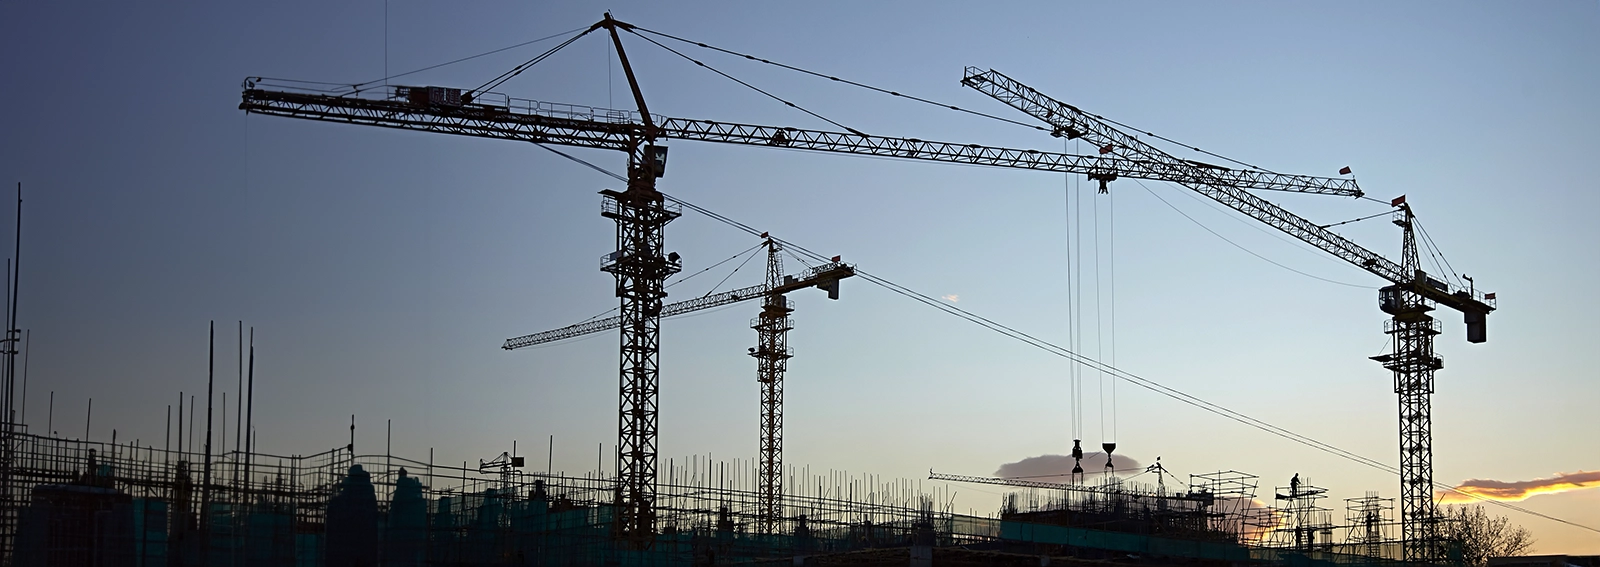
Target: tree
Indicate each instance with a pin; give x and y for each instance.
(1481, 536)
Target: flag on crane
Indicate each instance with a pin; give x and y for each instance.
(1344, 170)
(1106, 149)
(1401, 200)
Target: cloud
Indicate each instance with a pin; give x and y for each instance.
(952, 298)
(1056, 468)
(1514, 491)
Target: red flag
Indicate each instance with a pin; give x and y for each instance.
(1344, 170)
(1401, 200)
(1489, 296)
(1107, 149)
(836, 258)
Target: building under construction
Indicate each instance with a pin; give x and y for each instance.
(74, 502)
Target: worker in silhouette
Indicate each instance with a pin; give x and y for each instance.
(1294, 485)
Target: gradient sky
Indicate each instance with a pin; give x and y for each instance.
(381, 269)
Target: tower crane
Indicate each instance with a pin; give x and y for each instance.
(825, 277)
(641, 213)
(1408, 298)
(771, 353)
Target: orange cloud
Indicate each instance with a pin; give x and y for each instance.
(1521, 490)
(952, 298)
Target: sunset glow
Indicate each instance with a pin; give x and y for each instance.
(1521, 490)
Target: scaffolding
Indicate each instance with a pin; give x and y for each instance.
(1370, 519)
(79, 502)
(1217, 518)
(307, 510)
(1301, 523)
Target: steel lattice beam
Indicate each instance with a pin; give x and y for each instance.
(821, 276)
(668, 310)
(588, 127)
(597, 128)
(1224, 185)
(1210, 181)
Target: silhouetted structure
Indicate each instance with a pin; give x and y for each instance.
(352, 524)
(129, 505)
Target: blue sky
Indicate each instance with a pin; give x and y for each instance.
(382, 269)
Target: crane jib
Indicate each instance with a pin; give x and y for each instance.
(496, 116)
(1213, 182)
(491, 115)
(826, 277)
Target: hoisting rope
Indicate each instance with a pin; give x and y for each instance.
(1074, 372)
(712, 267)
(359, 86)
(750, 86)
(845, 81)
(1099, 327)
(1340, 223)
(1111, 263)
(502, 78)
(508, 75)
(637, 29)
(1237, 245)
(1434, 249)
(730, 274)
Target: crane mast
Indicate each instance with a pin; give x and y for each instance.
(1408, 299)
(772, 356)
(1413, 363)
(641, 266)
